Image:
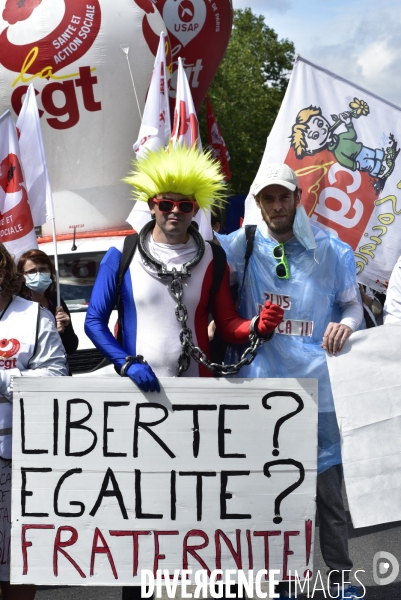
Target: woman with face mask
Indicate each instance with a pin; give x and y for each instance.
(39, 286)
(29, 347)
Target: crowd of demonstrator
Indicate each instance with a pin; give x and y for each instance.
(285, 258)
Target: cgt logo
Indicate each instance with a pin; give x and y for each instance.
(385, 568)
(41, 59)
(333, 195)
(65, 115)
(184, 19)
(8, 348)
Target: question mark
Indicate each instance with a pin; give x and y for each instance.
(282, 419)
(287, 461)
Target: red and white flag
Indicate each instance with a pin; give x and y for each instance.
(216, 141)
(185, 131)
(16, 225)
(185, 126)
(155, 128)
(34, 160)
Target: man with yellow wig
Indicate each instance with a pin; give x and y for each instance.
(170, 285)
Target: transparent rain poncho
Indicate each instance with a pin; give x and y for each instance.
(319, 280)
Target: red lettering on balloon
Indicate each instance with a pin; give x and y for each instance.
(13, 56)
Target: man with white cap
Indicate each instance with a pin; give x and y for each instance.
(311, 274)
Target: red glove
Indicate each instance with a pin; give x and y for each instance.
(270, 316)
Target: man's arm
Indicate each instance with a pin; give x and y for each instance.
(231, 326)
(336, 334)
(102, 303)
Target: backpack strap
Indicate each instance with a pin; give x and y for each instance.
(219, 268)
(250, 231)
(130, 244)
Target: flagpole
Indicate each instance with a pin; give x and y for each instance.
(53, 220)
(125, 49)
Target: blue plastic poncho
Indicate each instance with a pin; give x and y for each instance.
(319, 280)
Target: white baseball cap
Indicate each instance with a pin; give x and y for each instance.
(276, 174)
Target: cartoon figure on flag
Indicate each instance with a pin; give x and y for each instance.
(312, 133)
(343, 144)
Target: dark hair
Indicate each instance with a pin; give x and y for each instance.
(12, 281)
(217, 216)
(37, 257)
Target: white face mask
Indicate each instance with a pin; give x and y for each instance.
(302, 229)
(39, 283)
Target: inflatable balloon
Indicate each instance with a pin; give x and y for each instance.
(81, 58)
(199, 31)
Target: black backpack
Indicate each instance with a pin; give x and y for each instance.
(250, 231)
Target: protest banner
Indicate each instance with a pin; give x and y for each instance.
(209, 474)
(343, 143)
(365, 379)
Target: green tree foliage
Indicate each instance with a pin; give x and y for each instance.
(246, 93)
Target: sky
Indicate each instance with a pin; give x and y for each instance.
(356, 39)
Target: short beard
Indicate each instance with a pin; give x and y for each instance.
(282, 226)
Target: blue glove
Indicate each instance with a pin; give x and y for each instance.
(142, 375)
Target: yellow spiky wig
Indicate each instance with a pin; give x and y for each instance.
(180, 170)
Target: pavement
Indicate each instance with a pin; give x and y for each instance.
(364, 544)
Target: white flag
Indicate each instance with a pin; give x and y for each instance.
(185, 131)
(342, 141)
(155, 128)
(34, 160)
(16, 225)
(185, 126)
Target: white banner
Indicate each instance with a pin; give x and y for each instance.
(365, 379)
(343, 143)
(34, 162)
(208, 474)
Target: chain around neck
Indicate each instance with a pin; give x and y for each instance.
(162, 269)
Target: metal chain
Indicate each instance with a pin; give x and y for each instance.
(190, 350)
(176, 290)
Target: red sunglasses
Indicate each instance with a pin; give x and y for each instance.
(166, 205)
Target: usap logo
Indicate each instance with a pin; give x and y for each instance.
(184, 18)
